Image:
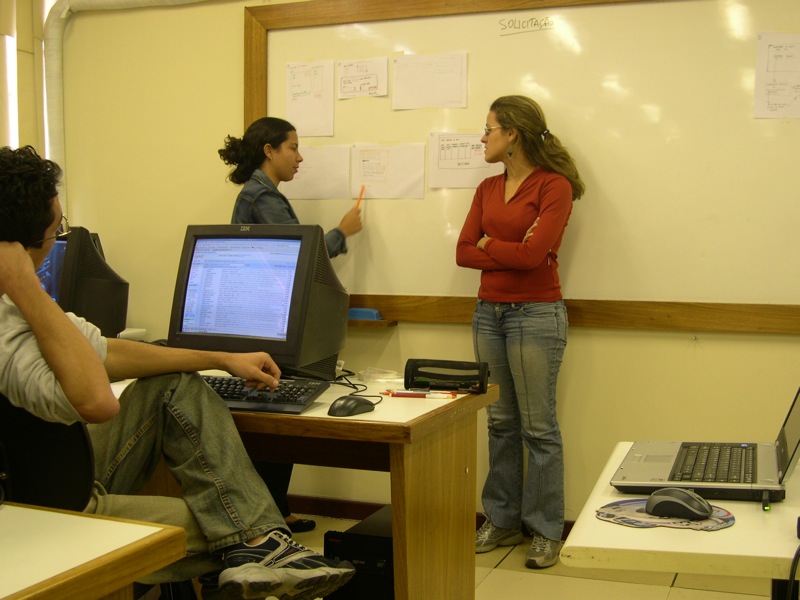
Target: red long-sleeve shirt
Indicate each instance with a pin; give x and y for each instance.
(510, 270)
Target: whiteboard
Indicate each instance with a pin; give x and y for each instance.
(688, 196)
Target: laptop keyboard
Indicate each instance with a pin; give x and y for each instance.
(729, 463)
(292, 396)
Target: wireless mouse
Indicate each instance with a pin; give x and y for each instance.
(347, 406)
(679, 503)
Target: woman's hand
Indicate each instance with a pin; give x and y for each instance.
(529, 233)
(351, 222)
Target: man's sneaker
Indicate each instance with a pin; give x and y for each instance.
(490, 537)
(543, 552)
(280, 567)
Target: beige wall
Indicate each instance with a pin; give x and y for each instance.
(149, 96)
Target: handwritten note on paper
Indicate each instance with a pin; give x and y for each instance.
(309, 97)
(430, 81)
(777, 76)
(388, 171)
(368, 77)
(455, 160)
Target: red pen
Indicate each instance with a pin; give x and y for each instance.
(421, 394)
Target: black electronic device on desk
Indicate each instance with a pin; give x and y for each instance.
(367, 545)
(452, 375)
(261, 288)
(291, 397)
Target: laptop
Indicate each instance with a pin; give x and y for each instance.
(759, 468)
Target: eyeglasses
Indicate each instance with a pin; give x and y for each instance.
(62, 231)
(487, 130)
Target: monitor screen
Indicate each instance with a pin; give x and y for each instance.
(270, 288)
(77, 277)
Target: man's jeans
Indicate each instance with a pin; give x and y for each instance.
(523, 345)
(224, 501)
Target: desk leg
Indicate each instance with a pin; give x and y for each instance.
(780, 587)
(433, 513)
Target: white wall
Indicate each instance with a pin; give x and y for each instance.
(149, 96)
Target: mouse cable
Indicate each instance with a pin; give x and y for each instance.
(792, 574)
(359, 387)
(345, 382)
(345, 374)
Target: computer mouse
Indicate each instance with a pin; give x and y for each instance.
(347, 406)
(678, 503)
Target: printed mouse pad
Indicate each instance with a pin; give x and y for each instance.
(631, 513)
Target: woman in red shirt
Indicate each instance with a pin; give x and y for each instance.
(512, 233)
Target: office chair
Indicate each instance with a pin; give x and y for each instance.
(42, 463)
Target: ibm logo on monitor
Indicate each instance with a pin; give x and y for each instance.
(244, 228)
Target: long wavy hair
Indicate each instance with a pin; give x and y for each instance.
(540, 146)
(246, 154)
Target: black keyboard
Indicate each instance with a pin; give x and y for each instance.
(730, 463)
(291, 397)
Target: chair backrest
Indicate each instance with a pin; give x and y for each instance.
(43, 463)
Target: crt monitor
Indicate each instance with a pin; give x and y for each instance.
(78, 278)
(270, 288)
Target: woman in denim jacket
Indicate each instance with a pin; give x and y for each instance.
(266, 155)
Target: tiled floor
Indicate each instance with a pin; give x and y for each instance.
(501, 575)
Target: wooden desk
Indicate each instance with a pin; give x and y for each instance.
(47, 554)
(429, 447)
(760, 544)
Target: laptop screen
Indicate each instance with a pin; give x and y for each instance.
(788, 440)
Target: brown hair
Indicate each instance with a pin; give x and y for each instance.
(540, 146)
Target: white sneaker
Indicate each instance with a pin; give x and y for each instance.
(543, 552)
(280, 567)
(490, 537)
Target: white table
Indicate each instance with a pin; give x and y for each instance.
(760, 543)
(48, 553)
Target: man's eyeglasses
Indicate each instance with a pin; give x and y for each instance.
(487, 130)
(63, 230)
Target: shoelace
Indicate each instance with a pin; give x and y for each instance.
(289, 541)
(485, 531)
(540, 543)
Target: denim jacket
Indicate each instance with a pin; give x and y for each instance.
(261, 202)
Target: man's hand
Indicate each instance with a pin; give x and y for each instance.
(256, 368)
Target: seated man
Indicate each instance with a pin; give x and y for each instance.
(57, 366)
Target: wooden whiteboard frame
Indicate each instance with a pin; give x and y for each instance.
(690, 316)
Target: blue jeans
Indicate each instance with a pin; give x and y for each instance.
(223, 500)
(523, 345)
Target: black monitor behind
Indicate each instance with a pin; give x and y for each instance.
(98, 244)
(368, 546)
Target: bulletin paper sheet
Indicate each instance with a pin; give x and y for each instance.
(456, 160)
(309, 97)
(777, 93)
(388, 171)
(430, 81)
